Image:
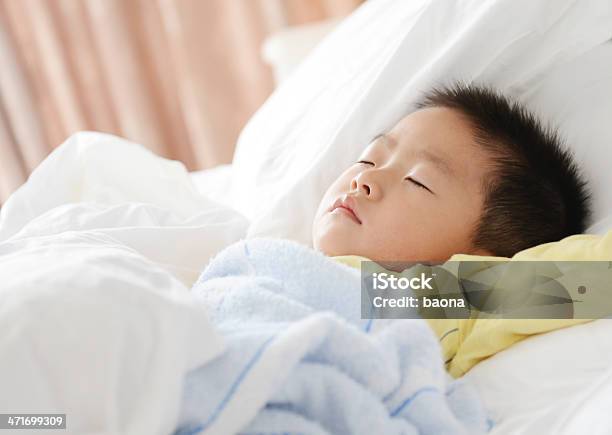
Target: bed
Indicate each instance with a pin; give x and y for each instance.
(559, 382)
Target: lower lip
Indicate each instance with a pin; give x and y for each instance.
(347, 212)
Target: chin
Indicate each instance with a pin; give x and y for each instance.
(330, 246)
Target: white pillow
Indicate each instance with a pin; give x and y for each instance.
(364, 77)
(550, 383)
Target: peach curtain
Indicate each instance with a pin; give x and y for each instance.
(179, 76)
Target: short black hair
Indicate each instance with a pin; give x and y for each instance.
(535, 193)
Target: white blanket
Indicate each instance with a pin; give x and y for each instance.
(97, 252)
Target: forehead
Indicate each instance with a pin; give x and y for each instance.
(436, 129)
(440, 136)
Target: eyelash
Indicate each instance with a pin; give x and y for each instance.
(412, 180)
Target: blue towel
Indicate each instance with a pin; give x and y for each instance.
(300, 360)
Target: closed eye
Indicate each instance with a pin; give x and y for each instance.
(422, 186)
(365, 162)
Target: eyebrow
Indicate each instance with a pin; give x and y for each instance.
(435, 159)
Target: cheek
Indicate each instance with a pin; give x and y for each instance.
(333, 238)
(459, 216)
(450, 228)
(337, 188)
(320, 224)
(409, 226)
(323, 206)
(405, 215)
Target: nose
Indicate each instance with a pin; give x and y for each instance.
(365, 184)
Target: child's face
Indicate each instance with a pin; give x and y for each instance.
(396, 219)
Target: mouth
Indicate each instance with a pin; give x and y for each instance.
(347, 207)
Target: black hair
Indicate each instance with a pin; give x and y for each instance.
(534, 192)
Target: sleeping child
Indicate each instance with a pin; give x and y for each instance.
(469, 172)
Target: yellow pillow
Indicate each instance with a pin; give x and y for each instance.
(482, 338)
(465, 342)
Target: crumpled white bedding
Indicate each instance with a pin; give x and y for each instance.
(554, 383)
(97, 253)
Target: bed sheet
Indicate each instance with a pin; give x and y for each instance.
(559, 382)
